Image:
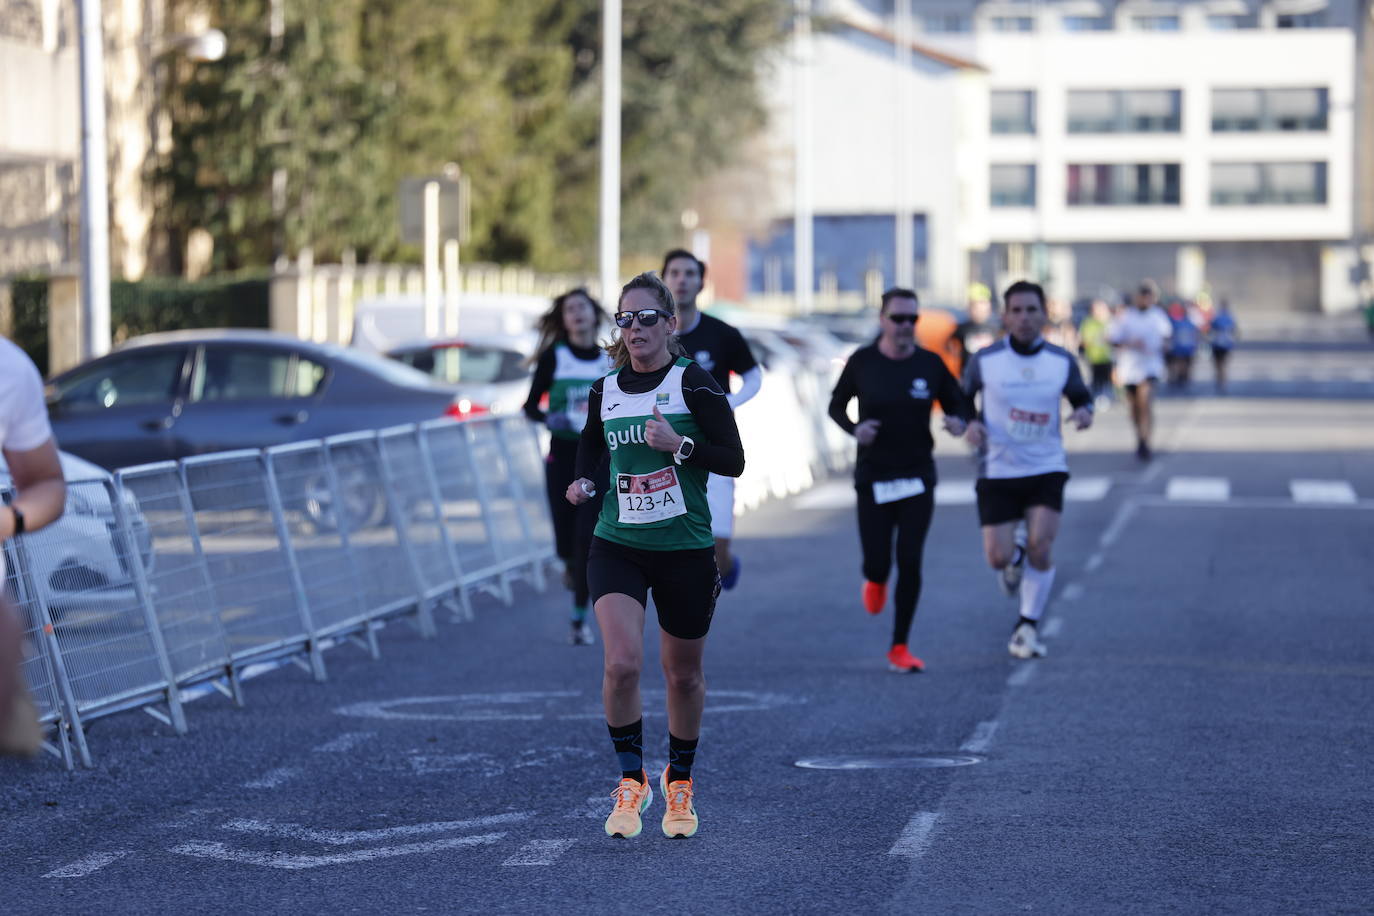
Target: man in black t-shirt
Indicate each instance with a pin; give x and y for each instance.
(720, 350)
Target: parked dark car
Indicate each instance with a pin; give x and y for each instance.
(181, 393)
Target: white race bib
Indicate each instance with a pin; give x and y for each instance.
(889, 491)
(1028, 426)
(649, 497)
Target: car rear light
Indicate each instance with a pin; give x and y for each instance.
(463, 409)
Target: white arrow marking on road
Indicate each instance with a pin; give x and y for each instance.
(915, 839)
(1217, 489)
(273, 778)
(292, 862)
(345, 837)
(87, 864)
(344, 743)
(539, 852)
(1323, 491)
(981, 739)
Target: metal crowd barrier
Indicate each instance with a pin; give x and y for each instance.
(178, 574)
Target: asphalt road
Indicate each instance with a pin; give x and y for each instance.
(1196, 740)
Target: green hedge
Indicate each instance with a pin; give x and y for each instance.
(145, 306)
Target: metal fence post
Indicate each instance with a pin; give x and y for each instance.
(397, 511)
(507, 596)
(297, 585)
(177, 718)
(432, 480)
(235, 685)
(522, 511)
(332, 474)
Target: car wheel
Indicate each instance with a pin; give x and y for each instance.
(361, 499)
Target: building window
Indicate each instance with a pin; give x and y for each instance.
(1232, 22)
(1011, 23)
(1287, 110)
(1134, 111)
(1012, 111)
(1258, 183)
(1155, 23)
(946, 22)
(1012, 185)
(1116, 185)
(1314, 20)
(1087, 23)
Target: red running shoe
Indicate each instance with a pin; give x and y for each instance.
(875, 596)
(902, 661)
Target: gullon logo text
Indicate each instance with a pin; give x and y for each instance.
(616, 438)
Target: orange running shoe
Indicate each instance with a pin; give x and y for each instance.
(680, 820)
(902, 661)
(631, 798)
(875, 596)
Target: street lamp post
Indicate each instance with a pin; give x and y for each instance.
(610, 148)
(95, 204)
(803, 216)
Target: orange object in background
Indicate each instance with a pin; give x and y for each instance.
(934, 331)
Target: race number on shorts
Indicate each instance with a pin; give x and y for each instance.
(649, 497)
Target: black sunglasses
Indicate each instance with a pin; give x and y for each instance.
(647, 318)
(902, 317)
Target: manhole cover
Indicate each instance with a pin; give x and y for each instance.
(902, 762)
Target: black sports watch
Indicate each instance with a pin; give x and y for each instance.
(684, 450)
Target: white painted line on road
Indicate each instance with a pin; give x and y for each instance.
(346, 837)
(1254, 502)
(293, 862)
(980, 739)
(1021, 676)
(273, 778)
(1087, 489)
(539, 852)
(1118, 524)
(344, 743)
(1094, 561)
(1072, 592)
(596, 806)
(88, 864)
(915, 839)
(955, 493)
(1323, 491)
(1053, 627)
(1217, 489)
(833, 495)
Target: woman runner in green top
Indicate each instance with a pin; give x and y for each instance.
(666, 425)
(568, 361)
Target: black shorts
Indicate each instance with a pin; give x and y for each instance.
(685, 583)
(1006, 499)
(1151, 381)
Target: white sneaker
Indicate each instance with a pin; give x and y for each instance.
(1009, 576)
(1025, 643)
(582, 634)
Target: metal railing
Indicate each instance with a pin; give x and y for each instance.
(169, 576)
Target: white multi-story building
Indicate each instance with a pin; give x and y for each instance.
(1208, 144)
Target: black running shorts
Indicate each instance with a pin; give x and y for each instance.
(1006, 499)
(685, 583)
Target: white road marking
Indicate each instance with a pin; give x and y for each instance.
(1118, 524)
(1217, 489)
(273, 778)
(1094, 561)
(294, 862)
(1053, 627)
(1087, 489)
(1323, 491)
(88, 864)
(915, 839)
(980, 739)
(955, 493)
(1072, 592)
(539, 852)
(1021, 676)
(597, 806)
(833, 495)
(344, 743)
(346, 837)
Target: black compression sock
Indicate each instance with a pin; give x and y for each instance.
(681, 755)
(1033, 623)
(629, 749)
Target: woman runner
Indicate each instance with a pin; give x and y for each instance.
(667, 425)
(896, 383)
(568, 361)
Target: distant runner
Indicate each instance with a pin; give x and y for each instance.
(1141, 335)
(896, 384)
(1022, 380)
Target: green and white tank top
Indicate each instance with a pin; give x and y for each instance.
(572, 382)
(655, 503)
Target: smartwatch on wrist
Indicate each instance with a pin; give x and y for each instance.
(684, 450)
